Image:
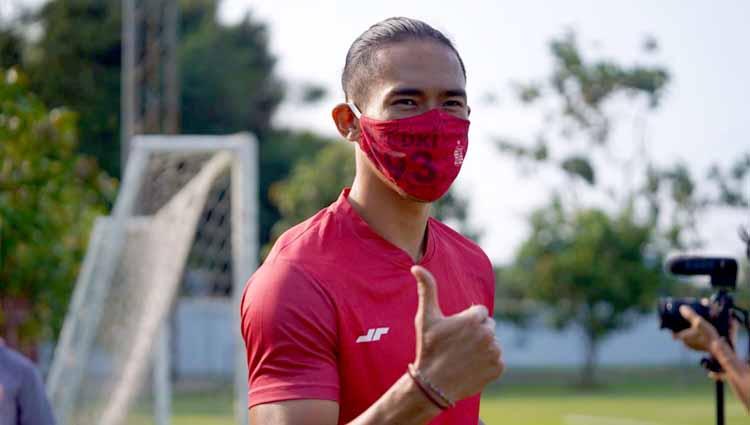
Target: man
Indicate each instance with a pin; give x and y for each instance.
(702, 336)
(336, 329)
(22, 397)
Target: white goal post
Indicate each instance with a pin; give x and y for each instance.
(186, 205)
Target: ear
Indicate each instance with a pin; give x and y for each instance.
(346, 123)
(468, 114)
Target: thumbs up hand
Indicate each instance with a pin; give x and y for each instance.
(458, 353)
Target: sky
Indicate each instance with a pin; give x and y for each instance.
(704, 118)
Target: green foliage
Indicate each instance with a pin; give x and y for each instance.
(733, 182)
(226, 75)
(49, 197)
(597, 268)
(676, 184)
(313, 93)
(226, 72)
(10, 47)
(282, 151)
(581, 167)
(76, 63)
(589, 268)
(313, 184)
(580, 90)
(585, 86)
(227, 78)
(586, 268)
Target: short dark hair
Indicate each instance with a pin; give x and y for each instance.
(359, 58)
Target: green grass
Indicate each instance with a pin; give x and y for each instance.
(652, 396)
(644, 396)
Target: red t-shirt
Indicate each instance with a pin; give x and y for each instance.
(330, 313)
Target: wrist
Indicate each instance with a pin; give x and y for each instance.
(432, 392)
(403, 403)
(421, 399)
(717, 346)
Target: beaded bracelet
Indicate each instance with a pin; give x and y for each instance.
(429, 389)
(426, 392)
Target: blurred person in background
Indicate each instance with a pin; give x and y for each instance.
(702, 336)
(23, 400)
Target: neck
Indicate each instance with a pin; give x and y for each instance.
(400, 221)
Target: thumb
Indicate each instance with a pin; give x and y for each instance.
(690, 315)
(428, 308)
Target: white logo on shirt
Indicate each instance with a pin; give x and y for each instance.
(373, 334)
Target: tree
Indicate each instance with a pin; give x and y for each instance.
(283, 152)
(316, 182)
(227, 75)
(49, 197)
(76, 63)
(733, 182)
(593, 257)
(228, 84)
(731, 186)
(589, 269)
(10, 47)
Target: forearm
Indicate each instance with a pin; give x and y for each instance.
(736, 371)
(403, 403)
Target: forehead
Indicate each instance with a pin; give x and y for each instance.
(421, 64)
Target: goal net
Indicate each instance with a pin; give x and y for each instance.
(184, 223)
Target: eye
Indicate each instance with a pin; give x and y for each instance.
(406, 102)
(453, 103)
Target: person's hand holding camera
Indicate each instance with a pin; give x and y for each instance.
(702, 336)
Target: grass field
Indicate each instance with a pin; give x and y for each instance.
(630, 397)
(652, 396)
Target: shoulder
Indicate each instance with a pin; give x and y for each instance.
(280, 282)
(14, 359)
(310, 240)
(461, 246)
(15, 363)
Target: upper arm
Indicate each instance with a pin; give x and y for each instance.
(295, 412)
(34, 408)
(290, 332)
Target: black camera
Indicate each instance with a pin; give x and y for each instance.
(718, 310)
(670, 317)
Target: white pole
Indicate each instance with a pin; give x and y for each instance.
(244, 254)
(162, 381)
(129, 98)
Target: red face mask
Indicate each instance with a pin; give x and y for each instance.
(421, 155)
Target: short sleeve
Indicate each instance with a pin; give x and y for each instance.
(289, 328)
(491, 295)
(490, 279)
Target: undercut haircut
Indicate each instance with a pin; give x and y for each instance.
(359, 66)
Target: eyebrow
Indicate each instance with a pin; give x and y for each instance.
(408, 91)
